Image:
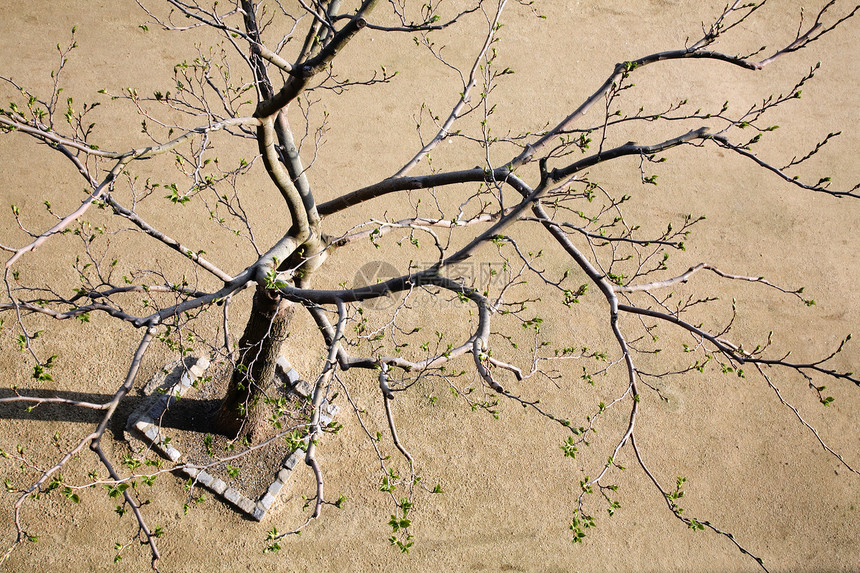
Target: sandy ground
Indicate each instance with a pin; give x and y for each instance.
(751, 467)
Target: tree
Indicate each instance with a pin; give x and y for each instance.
(510, 230)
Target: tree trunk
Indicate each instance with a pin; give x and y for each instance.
(242, 411)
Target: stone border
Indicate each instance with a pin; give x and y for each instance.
(166, 392)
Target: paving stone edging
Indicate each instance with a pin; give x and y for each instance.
(144, 422)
